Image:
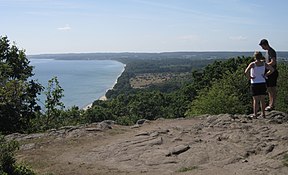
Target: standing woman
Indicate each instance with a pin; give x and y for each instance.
(255, 72)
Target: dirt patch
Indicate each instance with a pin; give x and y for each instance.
(223, 144)
(148, 79)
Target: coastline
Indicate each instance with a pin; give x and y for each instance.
(104, 98)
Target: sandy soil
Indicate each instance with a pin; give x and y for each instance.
(219, 145)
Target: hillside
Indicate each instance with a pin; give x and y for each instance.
(219, 144)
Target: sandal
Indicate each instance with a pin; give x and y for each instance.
(268, 108)
(253, 116)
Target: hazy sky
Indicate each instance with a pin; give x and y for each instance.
(73, 26)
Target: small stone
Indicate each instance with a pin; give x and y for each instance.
(270, 149)
(244, 161)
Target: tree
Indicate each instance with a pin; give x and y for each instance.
(18, 94)
(53, 103)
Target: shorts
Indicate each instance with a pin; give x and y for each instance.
(271, 80)
(258, 89)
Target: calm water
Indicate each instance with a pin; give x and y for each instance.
(83, 81)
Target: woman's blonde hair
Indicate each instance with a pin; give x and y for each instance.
(258, 55)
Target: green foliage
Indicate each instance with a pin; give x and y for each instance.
(53, 103)
(127, 109)
(177, 104)
(71, 116)
(186, 169)
(285, 160)
(217, 70)
(227, 91)
(127, 120)
(227, 95)
(97, 114)
(65, 117)
(148, 105)
(18, 95)
(282, 89)
(23, 170)
(7, 160)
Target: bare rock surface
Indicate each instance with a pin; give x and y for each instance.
(219, 145)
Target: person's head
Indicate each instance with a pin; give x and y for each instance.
(258, 56)
(264, 44)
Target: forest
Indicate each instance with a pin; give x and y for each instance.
(189, 87)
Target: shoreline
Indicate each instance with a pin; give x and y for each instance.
(104, 98)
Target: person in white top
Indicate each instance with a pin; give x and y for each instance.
(255, 72)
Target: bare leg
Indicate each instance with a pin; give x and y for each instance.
(272, 96)
(255, 104)
(262, 103)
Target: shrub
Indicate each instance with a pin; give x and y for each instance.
(8, 162)
(186, 169)
(228, 95)
(97, 114)
(282, 93)
(285, 160)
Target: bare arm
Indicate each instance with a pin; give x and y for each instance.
(247, 71)
(273, 61)
(269, 68)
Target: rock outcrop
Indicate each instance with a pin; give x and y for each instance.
(219, 144)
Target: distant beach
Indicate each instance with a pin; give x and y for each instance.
(83, 81)
(104, 98)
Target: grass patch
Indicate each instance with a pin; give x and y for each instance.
(185, 169)
(285, 160)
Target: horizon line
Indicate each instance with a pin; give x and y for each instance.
(137, 52)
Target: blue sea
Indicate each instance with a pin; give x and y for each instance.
(83, 81)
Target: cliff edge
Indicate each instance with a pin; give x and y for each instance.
(211, 144)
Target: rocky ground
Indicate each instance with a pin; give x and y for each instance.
(219, 145)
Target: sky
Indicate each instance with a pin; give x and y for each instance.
(90, 26)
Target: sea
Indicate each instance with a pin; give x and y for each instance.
(83, 81)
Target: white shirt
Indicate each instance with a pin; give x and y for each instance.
(258, 73)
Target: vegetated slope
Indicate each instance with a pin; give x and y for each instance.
(218, 144)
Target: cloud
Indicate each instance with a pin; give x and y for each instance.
(188, 37)
(65, 28)
(237, 37)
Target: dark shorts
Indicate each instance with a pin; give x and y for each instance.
(258, 89)
(272, 79)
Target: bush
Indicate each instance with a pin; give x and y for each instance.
(97, 114)
(285, 160)
(282, 93)
(227, 95)
(8, 164)
(127, 120)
